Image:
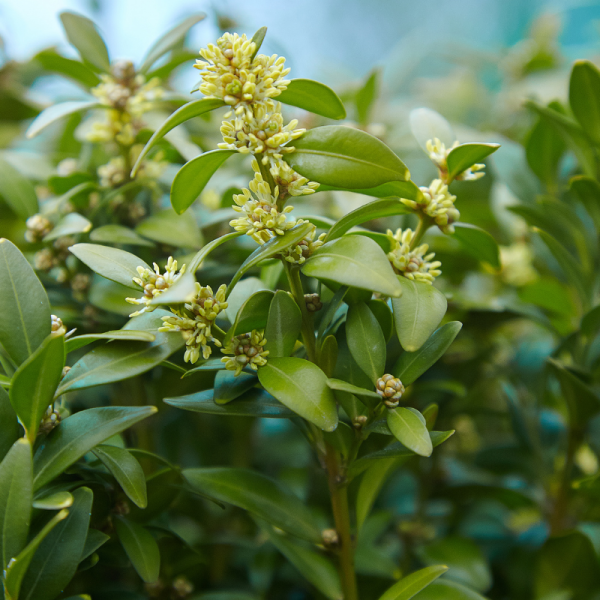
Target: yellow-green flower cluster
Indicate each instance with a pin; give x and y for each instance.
(438, 153)
(438, 204)
(390, 389)
(289, 182)
(116, 172)
(196, 321)
(304, 248)
(38, 226)
(247, 350)
(261, 218)
(154, 283)
(412, 263)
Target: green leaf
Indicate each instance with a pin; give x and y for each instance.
(349, 388)
(196, 262)
(314, 97)
(258, 39)
(259, 495)
(587, 190)
(112, 263)
(140, 547)
(73, 69)
(411, 365)
(126, 470)
(417, 312)
(465, 156)
(168, 41)
(253, 314)
(284, 323)
(183, 290)
(17, 191)
(412, 584)
(55, 561)
(118, 234)
(58, 111)
(35, 382)
(426, 124)
(254, 403)
(385, 317)
(590, 323)
(365, 97)
(444, 589)
(80, 341)
(18, 567)
(302, 387)
(385, 207)
(332, 308)
(10, 430)
(272, 248)
(408, 427)
(365, 340)
(466, 562)
(478, 243)
(83, 35)
(78, 434)
(16, 495)
(168, 227)
(54, 501)
(350, 158)
(94, 540)
(193, 177)
(314, 567)
(71, 224)
(23, 297)
(355, 261)
(228, 387)
(400, 189)
(584, 97)
(327, 355)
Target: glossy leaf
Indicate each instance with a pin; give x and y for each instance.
(426, 124)
(116, 265)
(140, 547)
(193, 177)
(343, 386)
(283, 327)
(443, 589)
(78, 434)
(83, 35)
(401, 189)
(465, 156)
(584, 97)
(417, 312)
(478, 243)
(355, 261)
(10, 430)
(412, 584)
(59, 111)
(314, 97)
(73, 69)
(183, 290)
(253, 314)
(258, 38)
(71, 224)
(408, 427)
(118, 234)
(17, 191)
(345, 157)
(74, 343)
(327, 355)
(23, 297)
(385, 207)
(168, 41)
(126, 470)
(228, 387)
(259, 495)
(55, 561)
(302, 387)
(35, 382)
(196, 262)
(167, 227)
(332, 308)
(365, 340)
(16, 495)
(54, 501)
(385, 317)
(411, 365)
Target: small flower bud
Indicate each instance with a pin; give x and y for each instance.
(182, 587)
(313, 302)
(330, 538)
(65, 371)
(58, 327)
(390, 388)
(359, 421)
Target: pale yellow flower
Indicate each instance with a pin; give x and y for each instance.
(438, 203)
(247, 351)
(415, 264)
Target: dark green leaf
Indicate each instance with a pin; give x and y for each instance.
(383, 314)
(314, 97)
(80, 341)
(17, 191)
(412, 584)
(343, 386)
(584, 97)
(141, 548)
(58, 111)
(587, 190)
(327, 356)
(253, 314)
(284, 323)
(465, 156)
(83, 35)
(408, 427)
(228, 387)
(366, 340)
(94, 540)
(478, 242)
(10, 430)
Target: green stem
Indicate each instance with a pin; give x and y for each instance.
(341, 514)
(560, 509)
(422, 227)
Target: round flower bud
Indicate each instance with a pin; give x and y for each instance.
(330, 538)
(359, 421)
(313, 302)
(390, 388)
(58, 327)
(123, 71)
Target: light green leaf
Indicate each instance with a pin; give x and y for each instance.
(117, 234)
(314, 97)
(365, 340)
(193, 177)
(349, 388)
(401, 189)
(17, 191)
(417, 312)
(80, 341)
(259, 495)
(196, 262)
(83, 35)
(284, 323)
(587, 189)
(408, 427)
(444, 589)
(411, 365)
(365, 97)
(258, 39)
(327, 355)
(356, 261)
(54, 501)
(584, 97)
(167, 227)
(140, 547)
(169, 41)
(228, 387)
(58, 111)
(253, 314)
(35, 382)
(16, 495)
(183, 290)
(126, 470)
(410, 585)
(302, 387)
(55, 561)
(23, 297)
(478, 242)
(78, 434)
(71, 224)
(345, 157)
(426, 124)
(465, 156)
(73, 69)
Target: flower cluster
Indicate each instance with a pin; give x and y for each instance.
(247, 350)
(57, 327)
(116, 171)
(196, 320)
(438, 204)
(390, 388)
(38, 226)
(290, 183)
(154, 283)
(304, 248)
(415, 263)
(438, 153)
